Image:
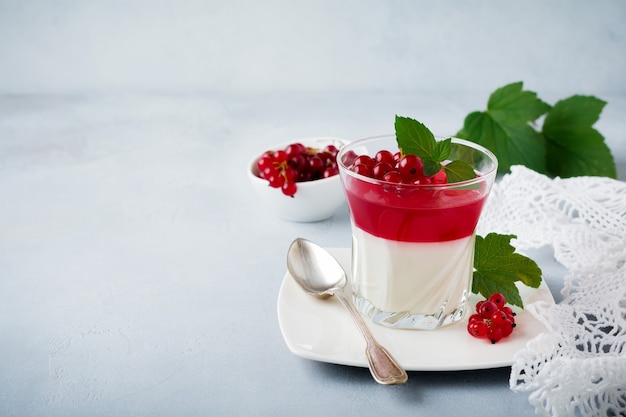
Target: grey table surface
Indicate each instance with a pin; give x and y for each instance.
(139, 274)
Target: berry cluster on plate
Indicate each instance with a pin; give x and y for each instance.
(493, 319)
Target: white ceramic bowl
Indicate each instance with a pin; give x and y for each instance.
(314, 201)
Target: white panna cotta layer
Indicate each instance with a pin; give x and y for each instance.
(412, 278)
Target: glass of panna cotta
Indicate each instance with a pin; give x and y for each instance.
(413, 241)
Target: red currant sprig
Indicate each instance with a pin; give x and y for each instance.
(295, 163)
(493, 320)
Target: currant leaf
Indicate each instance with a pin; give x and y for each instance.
(431, 167)
(574, 147)
(442, 150)
(414, 138)
(457, 171)
(505, 130)
(497, 267)
(513, 103)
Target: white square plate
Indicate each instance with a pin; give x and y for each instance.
(323, 330)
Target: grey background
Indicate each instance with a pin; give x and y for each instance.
(138, 272)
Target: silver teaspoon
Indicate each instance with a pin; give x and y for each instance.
(319, 274)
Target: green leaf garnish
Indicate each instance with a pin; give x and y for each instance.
(431, 167)
(442, 150)
(574, 147)
(416, 139)
(457, 171)
(505, 130)
(497, 267)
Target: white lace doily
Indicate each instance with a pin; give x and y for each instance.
(579, 366)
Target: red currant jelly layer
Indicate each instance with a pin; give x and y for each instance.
(391, 197)
(413, 213)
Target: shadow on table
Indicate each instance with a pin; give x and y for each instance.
(419, 382)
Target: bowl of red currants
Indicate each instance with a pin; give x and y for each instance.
(299, 180)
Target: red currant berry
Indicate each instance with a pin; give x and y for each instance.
(384, 156)
(276, 179)
(425, 180)
(507, 328)
(380, 169)
(263, 162)
(269, 171)
(348, 158)
(290, 174)
(299, 162)
(411, 167)
(364, 160)
(332, 150)
(392, 176)
(478, 328)
(440, 178)
(362, 169)
(498, 299)
(507, 310)
(486, 309)
(494, 334)
(280, 156)
(289, 188)
(295, 149)
(325, 157)
(475, 317)
(316, 164)
(498, 317)
(330, 172)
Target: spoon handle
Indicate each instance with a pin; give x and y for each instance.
(383, 366)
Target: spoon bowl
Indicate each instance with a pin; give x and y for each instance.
(318, 273)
